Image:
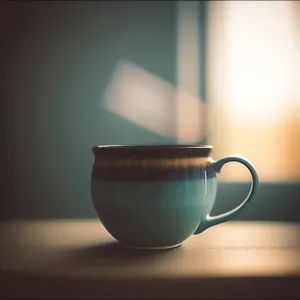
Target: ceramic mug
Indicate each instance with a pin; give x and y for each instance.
(156, 197)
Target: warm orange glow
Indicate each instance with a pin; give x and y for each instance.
(254, 85)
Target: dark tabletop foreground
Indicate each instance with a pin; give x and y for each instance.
(79, 259)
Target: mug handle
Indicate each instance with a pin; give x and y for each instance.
(211, 221)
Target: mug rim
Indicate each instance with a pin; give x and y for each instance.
(163, 146)
(152, 151)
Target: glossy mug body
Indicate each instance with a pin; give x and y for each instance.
(154, 197)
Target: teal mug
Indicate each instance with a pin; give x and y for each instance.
(156, 197)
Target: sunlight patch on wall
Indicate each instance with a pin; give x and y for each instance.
(141, 97)
(151, 102)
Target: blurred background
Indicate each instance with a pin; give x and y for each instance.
(79, 74)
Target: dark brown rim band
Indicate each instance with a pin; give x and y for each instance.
(158, 163)
(152, 163)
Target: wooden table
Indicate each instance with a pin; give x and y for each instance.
(79, 259)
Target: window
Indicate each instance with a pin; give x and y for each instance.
(254, 85)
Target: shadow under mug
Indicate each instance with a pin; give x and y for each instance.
(156, 197)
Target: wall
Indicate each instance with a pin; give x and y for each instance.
(58, 58)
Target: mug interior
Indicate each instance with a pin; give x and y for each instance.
(153, 151)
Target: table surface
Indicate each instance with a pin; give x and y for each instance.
(78, 258)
